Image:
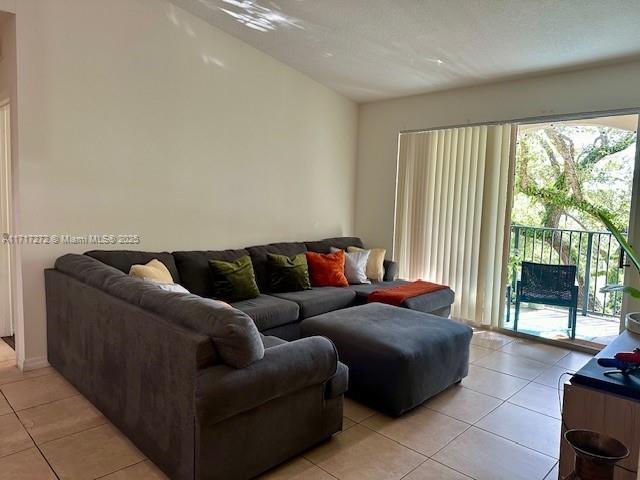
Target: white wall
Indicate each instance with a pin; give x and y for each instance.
(137, 117)
(598, 89)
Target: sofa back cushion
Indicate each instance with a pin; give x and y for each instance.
(259, 258)
(194, 270)
(123, 259)
(324, 246)
(233, 334)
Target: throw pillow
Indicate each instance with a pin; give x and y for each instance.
(155, 271)
(375, 263)
(288, 274)
(234, 281)
(171, 287)
(327, 269)
(355, 266)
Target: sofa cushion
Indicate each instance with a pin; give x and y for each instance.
(233, 334)
(324, 246)
(124, 259)
(234, 281)
(270, 341)
(288, 274)
(320, 300)
(195, 274)
(259, 258)
(327, 269)
(375, 262)
(269, 312)
(153, 271)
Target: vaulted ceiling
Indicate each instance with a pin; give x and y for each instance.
(377, 49)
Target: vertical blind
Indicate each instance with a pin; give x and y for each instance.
(451, 205)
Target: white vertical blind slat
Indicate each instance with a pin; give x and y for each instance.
(450, 213)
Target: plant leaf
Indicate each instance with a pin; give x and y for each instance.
(628, 249)
(634, 292)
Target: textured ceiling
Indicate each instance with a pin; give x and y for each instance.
(376, 49)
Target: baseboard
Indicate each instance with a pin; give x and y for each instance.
(33, 363)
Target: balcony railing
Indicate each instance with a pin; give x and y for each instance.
(597, 255)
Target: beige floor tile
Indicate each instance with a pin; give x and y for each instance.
(60, 418)
(92, 453)
(356, 411)
(492, 383)
(347, 423)
(423, 430)
(574, 360)
(525, 427)
(25, 465)
(539, 398)
(37, 391)
(432, 470)
(553, 474)
(463, 404)
(140, 471)
(485, 456)
(476, 352)
(551, 377)
(297, 469)
(540, 352)
(13, 437)
(360, 453)
(9, 373)
(513, 365)
(4, 406)
(488, 339)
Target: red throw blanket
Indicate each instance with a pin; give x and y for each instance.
(397, 295)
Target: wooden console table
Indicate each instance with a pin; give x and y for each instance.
(607, 404)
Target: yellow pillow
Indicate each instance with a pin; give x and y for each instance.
(375, 263)
(154, 271)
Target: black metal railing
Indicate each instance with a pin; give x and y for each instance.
(597, 255)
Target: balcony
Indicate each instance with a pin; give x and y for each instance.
(599, 260)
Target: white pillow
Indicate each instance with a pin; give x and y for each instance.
(355, 266)
(171, 287)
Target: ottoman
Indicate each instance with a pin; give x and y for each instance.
(397, 357)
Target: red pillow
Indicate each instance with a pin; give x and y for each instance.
(327, 269)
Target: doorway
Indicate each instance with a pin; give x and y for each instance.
(6, 306)
(592, 160)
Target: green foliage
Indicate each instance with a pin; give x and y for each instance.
(577, 177)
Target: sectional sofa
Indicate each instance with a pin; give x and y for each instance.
(205, 391)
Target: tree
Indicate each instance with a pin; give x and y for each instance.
(586, 164)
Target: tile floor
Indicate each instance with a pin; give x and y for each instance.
(502, 422)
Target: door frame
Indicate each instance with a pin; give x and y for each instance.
(631, 277)
(7, 324)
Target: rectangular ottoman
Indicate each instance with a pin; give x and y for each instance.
(397, 357)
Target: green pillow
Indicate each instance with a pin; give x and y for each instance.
(234, 281)
(288, 274)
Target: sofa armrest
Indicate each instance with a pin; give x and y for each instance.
(223, 392)
(390, 270)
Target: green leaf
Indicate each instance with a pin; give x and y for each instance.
(628, 249)
(634, 292)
